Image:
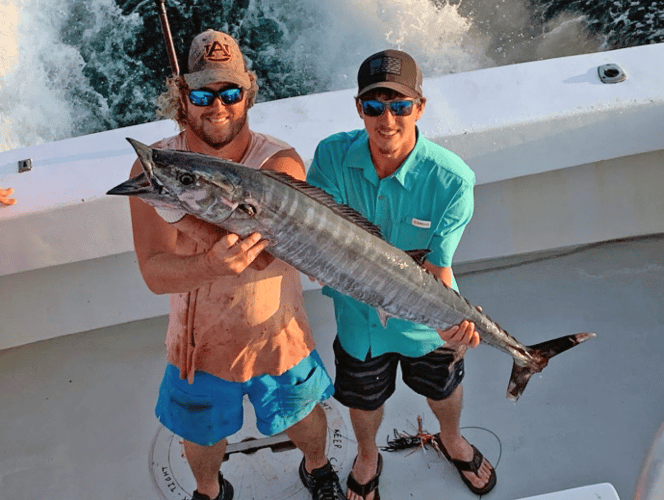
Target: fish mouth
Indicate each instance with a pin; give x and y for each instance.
(141, 187)
(136, 186)
(145, 185)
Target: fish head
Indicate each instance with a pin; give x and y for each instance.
(146, 185)
(211, 193)
(206, 187)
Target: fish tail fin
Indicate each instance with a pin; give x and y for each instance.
(540, 354)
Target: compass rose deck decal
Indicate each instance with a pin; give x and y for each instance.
(259, 467)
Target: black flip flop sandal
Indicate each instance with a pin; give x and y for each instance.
(472, 466)
(372, 485)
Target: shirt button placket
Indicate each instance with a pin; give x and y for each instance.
(381, 214)
(381, 205)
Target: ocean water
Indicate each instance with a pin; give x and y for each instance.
(74, 67)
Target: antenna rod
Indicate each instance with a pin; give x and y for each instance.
(168, 37)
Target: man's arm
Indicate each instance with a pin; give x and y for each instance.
(166, 272)
(288, 162)
(321, 172)
(463, 334)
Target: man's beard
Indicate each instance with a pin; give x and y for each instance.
(218, 138)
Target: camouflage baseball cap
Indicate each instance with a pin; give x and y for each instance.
(216, 57)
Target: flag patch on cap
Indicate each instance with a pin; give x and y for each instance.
(385, 64)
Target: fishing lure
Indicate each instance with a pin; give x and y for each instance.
(404, 441)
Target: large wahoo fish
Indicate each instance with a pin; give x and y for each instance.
(327, 241)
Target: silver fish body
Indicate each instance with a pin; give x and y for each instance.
(326, 241)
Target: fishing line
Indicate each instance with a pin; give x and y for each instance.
(500, 443)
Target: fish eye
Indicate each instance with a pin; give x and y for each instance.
(187, 179)
(250, 210)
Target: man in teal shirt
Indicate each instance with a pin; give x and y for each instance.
(421, 197)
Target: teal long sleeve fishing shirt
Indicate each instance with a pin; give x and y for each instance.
(425, 204)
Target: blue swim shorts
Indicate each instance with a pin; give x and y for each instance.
(210, 409)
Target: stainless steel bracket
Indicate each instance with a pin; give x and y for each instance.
(24, 165)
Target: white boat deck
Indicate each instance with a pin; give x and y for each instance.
(77, 422)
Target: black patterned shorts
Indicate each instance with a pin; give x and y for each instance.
(366, 385)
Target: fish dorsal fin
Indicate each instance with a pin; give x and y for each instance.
(324, 198)
(419, 256)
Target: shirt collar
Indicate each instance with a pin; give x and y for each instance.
(359, 156)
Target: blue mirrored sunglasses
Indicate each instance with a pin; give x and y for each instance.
(375, 108)
(204, 97)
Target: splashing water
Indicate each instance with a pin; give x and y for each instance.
(74, 67)
(45, 92)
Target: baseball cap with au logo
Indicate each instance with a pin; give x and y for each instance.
(392, 69)
(215, 57)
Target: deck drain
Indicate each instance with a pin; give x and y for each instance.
(259, 467)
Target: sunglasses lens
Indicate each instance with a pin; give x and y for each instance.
(401, 108)
(373, 108)
(231, 96)
(205, 97)
(376, 108)
(201, 97)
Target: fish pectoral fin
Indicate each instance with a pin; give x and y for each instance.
(420, 255)
(383, 316)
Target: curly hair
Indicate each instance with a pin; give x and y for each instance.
(170, 103)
